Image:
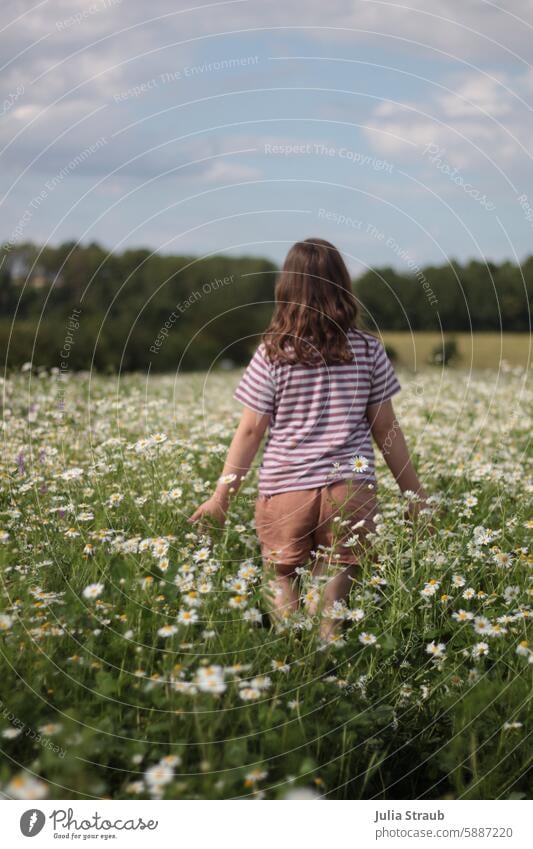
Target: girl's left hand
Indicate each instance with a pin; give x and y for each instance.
(213, 509)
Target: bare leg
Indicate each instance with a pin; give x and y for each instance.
(336, 588)
(283, 592)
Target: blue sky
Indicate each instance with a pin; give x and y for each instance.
(402, 132)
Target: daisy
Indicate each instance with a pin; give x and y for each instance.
(480, 650)
(11, 733)
(26, 786)
(436, 650)
(360, 464)
(6, 622)
(367, 639)
(482, 625)
(237, 601)
(187, 617)
(503, 560)
(462, 615)
(210, 679)
(93, 591)
(523, 648)
(249, 694)
(135, 787)
(254, 776)
(159, 775)
(167, 631)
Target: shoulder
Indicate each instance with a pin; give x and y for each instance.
(260, 361)
(363, 343)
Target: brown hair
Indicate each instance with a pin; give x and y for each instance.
(315, 307)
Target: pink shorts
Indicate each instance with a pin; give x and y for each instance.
(291, 525)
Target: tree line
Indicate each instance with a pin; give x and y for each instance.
(78, 307)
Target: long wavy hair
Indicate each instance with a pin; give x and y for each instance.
(315, 307)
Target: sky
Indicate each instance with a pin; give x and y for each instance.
(402, 132)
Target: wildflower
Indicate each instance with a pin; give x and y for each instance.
(210, 679)
(482, 625)
(167, 631)
(458, 581)
(301, 794)
(93, 591)
(254, 776)
(11, 733)
(252, 615)
(367, 639)
(135, 787)
(469, 593)
(280, 666)
(512, 726)
(50, 729)
(261, 682)
(6, 622)
(225, 479)
(249, 694)
(430, 588)
(192, 599)
(237, 601)
(26, 786)
(436, 650)
(336, 640)
(523, 649)
(158, 776)
(360, 464)
(355, 614)
(171, 760)
(503, 559)
(187, 617)
(72, 474)
(480, 650)
(462, 615)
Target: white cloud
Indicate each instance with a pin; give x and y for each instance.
(477, 114)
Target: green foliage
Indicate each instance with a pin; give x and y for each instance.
(99, 696)
(140, 310)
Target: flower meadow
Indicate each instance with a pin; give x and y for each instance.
(138, 656)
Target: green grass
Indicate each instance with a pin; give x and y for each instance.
(93, 697)
(478, 350)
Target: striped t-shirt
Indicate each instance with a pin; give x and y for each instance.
(318, 425)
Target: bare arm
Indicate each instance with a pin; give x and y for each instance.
(389, 438)
(241, 453)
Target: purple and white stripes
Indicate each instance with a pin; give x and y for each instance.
(318, 420)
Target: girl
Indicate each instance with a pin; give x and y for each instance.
(323, 389)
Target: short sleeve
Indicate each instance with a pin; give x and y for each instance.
(256, 388)
(384, 383)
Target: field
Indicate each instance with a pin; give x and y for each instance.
(137, 656)
(476, 350)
